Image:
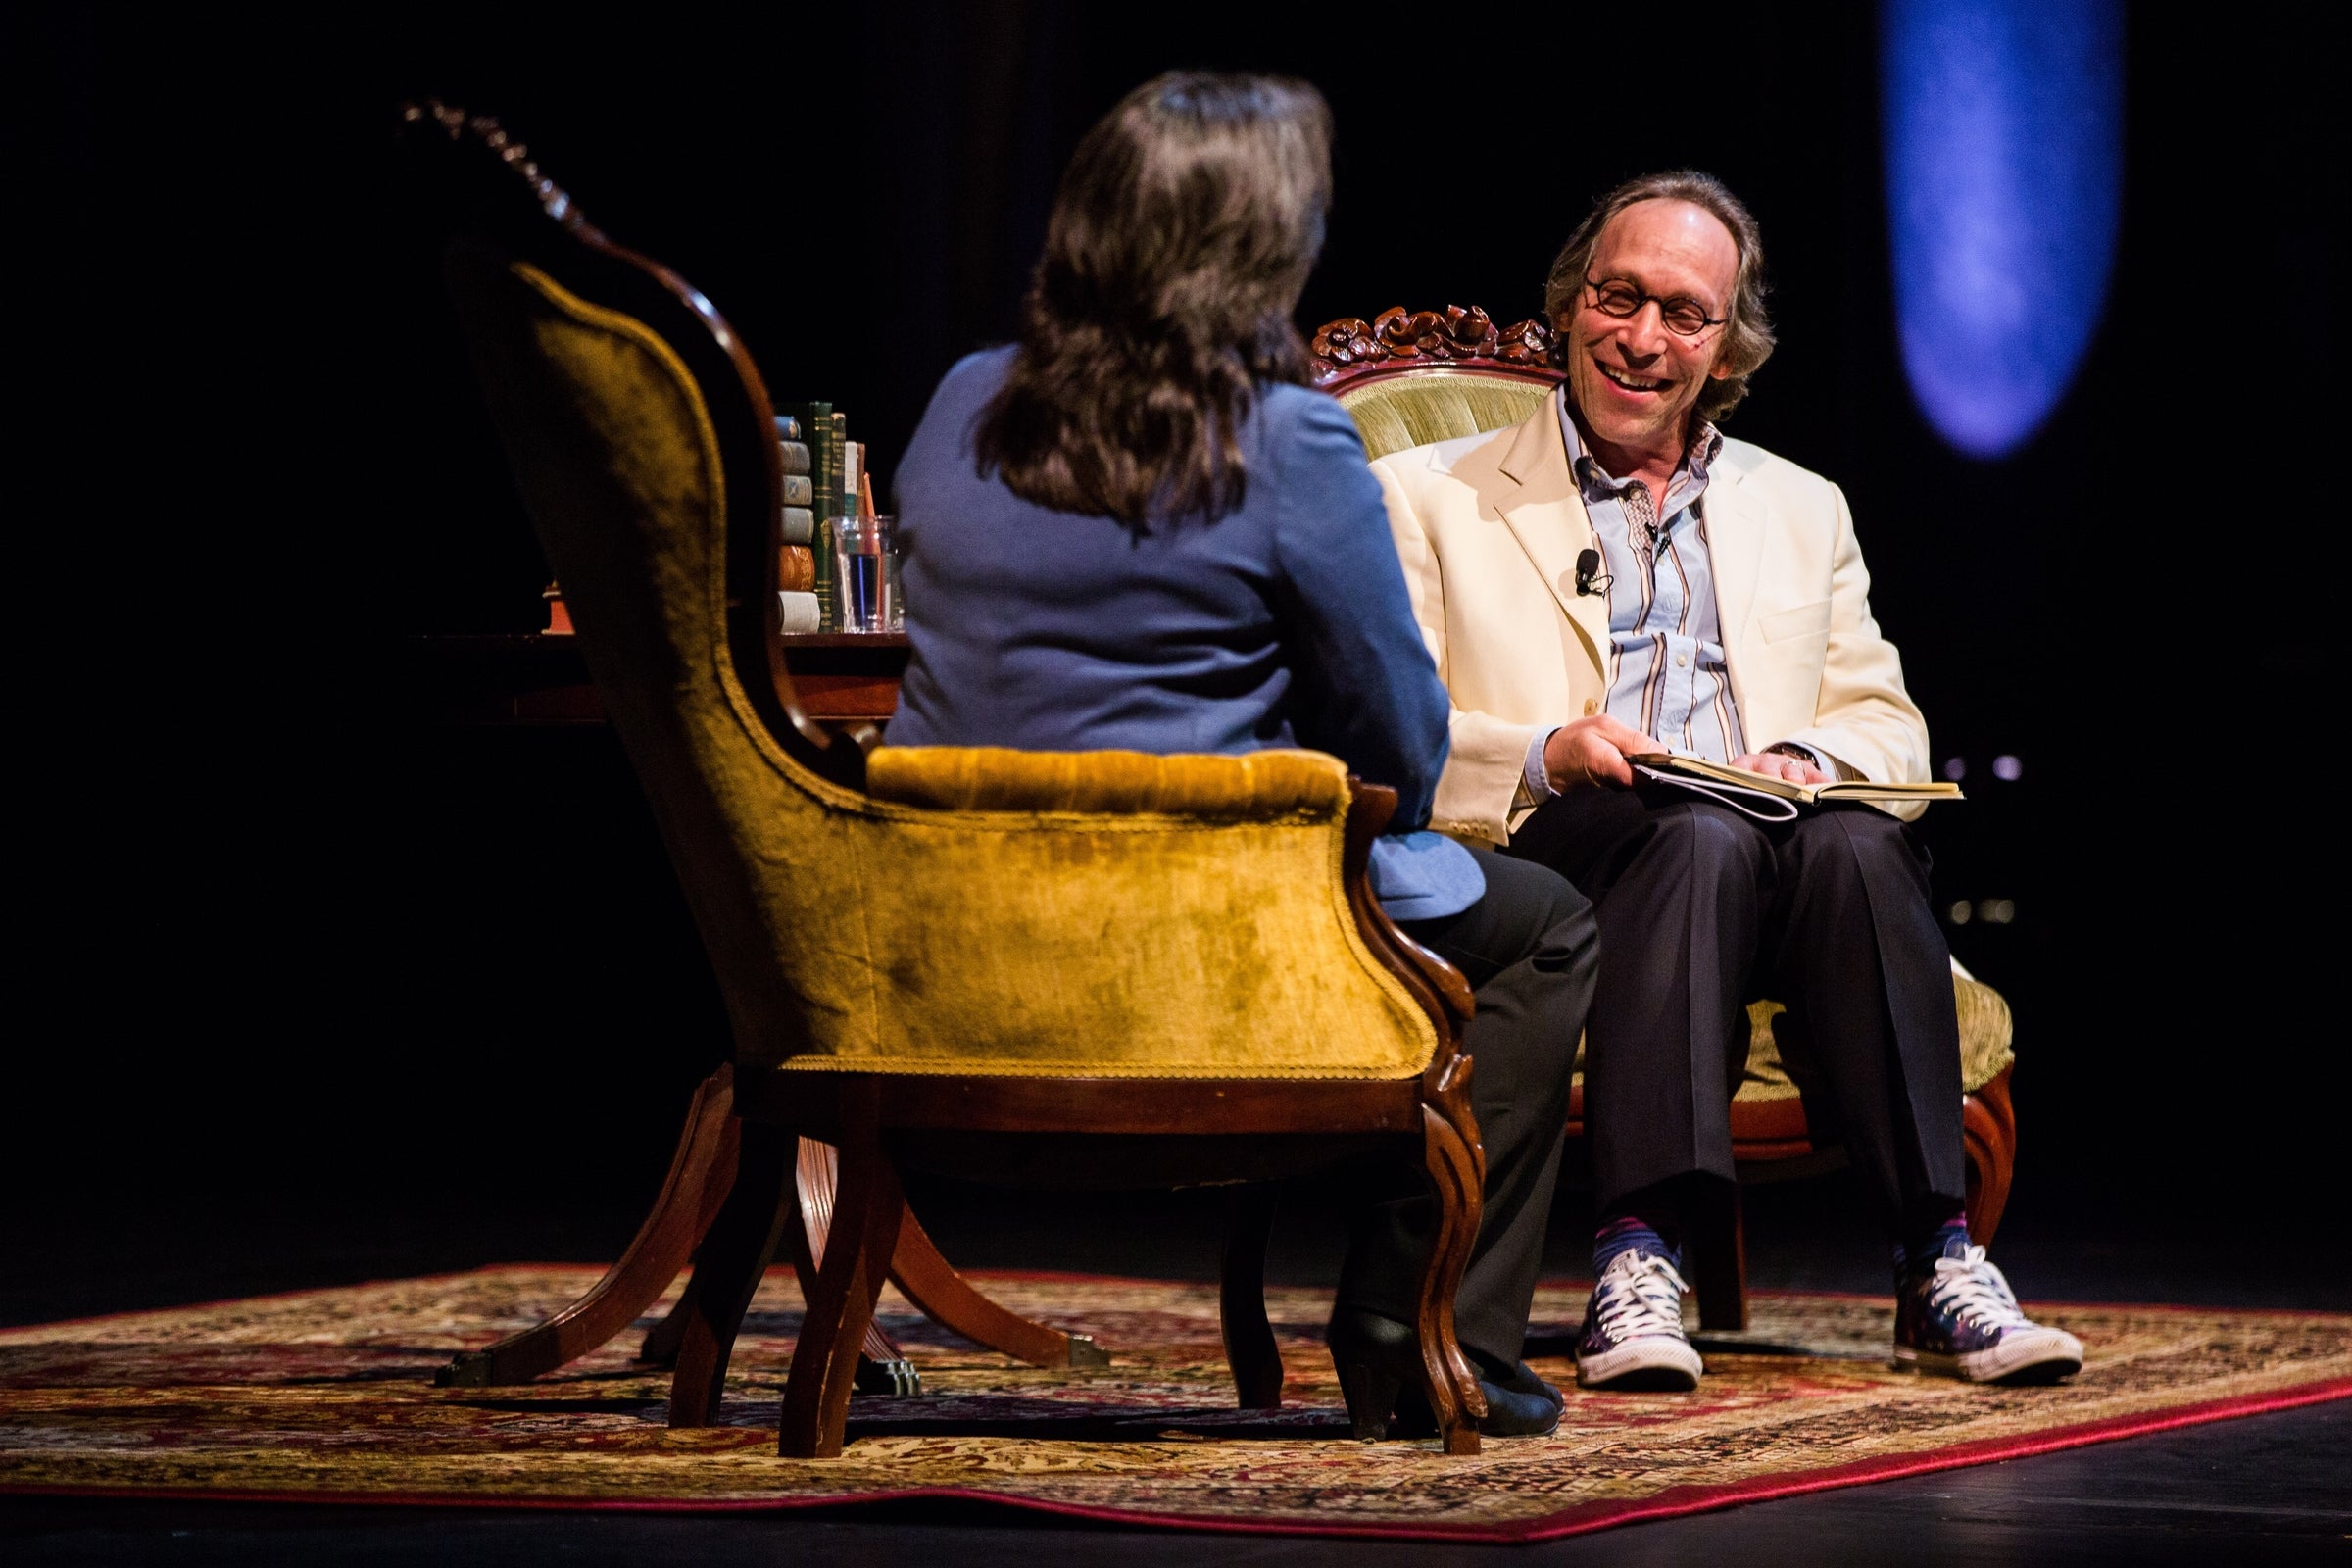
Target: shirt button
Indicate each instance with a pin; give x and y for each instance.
(1681, 661)
(1591, 706)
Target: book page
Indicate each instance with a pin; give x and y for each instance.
(1762, 805)
(1691, 772)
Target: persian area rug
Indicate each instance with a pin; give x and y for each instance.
(327, 1395)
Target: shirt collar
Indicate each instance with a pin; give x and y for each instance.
(1599, 484)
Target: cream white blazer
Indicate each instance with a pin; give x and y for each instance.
(1489, 528)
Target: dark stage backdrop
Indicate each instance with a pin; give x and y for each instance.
(272, 932)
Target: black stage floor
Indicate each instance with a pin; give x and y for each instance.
(2268, 1489)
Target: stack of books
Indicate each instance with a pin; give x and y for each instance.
(822, 487)
(796, 569)
(821, 484)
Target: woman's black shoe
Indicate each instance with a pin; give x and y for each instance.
(1379, 1362)
(1377, 1358)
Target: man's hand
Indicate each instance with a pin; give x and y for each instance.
(1593, 751)
(1780, 765)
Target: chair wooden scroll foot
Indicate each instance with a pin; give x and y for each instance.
(1457, 1164)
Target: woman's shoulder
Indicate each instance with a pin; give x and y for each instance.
(1286, 405)
(975, 378)
(1309, 431)
(1302, 418)
(945, 434)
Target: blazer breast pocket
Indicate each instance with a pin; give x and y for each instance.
(1805, 620)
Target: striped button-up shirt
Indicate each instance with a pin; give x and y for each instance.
(1667, 676)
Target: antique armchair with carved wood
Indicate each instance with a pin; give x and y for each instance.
(1102, 969)
(1432, 375)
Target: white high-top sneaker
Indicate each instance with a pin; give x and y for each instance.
(1632, 1339)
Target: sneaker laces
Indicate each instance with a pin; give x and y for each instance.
(1639, 1295)
(1973, 1290)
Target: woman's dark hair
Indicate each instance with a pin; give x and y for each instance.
(1181, 237)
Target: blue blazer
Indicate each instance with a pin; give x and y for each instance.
(1283, 623)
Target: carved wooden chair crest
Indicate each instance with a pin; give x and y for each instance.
(1103, 967)
(1412, 377)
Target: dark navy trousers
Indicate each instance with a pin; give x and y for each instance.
(1704, 910)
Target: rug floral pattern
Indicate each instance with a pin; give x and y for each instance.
(327, 1395)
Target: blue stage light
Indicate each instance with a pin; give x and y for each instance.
(2003, 122)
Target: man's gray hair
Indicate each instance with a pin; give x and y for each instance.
(1747, 337)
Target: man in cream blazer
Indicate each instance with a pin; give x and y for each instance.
(1611, 577)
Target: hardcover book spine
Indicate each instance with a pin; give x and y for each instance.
(813, 430)
(835, 462)
(795, 456)
(796, 569)
(798, 611)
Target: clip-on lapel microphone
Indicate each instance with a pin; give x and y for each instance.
(1587, 573)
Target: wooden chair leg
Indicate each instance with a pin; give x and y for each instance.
(1720, 1230)
(1988, 1128)
(660, 1346)
(868, 1208)
(932, 1283)
(882, 1367)
(949, 1299)
(699, 1174)
(734, 1255)
(1457, 1168)
(1249, 1348)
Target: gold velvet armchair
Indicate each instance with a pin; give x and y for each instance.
(1413, 377)
(1096, 969)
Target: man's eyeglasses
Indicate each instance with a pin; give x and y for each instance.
(1683, 316)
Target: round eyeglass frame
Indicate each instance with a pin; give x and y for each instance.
(1664, 303)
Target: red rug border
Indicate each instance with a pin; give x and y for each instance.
(1672, 1503)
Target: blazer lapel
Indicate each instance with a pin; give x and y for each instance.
(1538, 501)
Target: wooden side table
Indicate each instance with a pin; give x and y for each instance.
(533, 679)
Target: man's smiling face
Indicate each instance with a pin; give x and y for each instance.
(1634, 379)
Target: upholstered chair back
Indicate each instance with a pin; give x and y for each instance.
(1438, 404)
(928, 910)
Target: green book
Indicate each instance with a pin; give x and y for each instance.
(819, 429)
(843, 484)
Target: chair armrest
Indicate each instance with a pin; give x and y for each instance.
(1251, 786)
(1099, 914)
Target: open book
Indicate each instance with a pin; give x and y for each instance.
(1771, 799)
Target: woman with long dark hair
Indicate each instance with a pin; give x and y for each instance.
(1137, 528)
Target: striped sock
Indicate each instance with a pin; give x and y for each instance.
(1924, 1244)
(1633, 1233)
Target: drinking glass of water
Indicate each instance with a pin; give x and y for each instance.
(865, 574)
